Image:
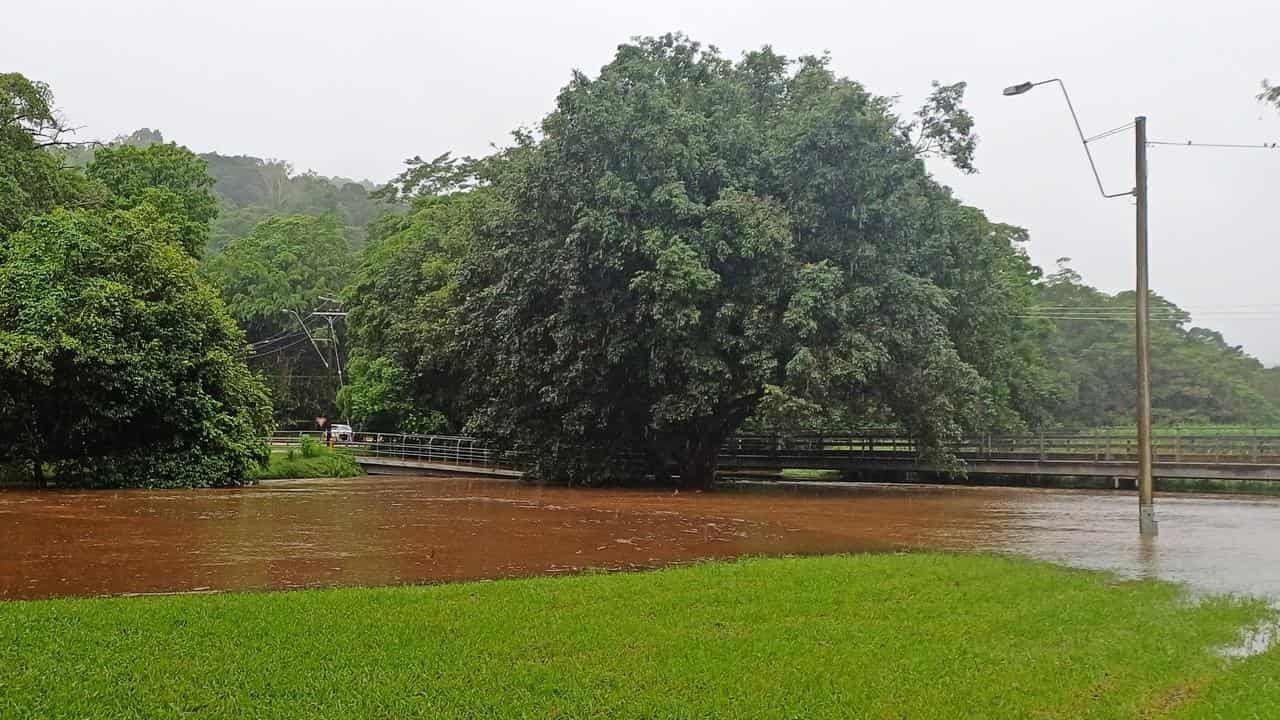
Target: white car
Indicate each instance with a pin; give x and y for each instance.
(342, 433)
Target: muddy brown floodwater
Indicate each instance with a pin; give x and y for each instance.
(392, 530)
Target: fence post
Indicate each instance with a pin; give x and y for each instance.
(1040, 435)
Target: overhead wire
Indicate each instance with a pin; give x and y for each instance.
(253, 356)
(1236, 146)
(278, 338)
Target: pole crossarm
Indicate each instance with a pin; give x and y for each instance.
(1085, 141)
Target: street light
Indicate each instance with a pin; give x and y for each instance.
(1146, 500)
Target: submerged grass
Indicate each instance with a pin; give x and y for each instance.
(868, 636)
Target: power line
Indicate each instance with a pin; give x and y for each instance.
(277, 338)
(1238, 146)
(275, 350)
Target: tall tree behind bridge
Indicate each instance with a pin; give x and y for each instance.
(687, 234)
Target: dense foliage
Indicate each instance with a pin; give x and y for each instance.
(1197, 377)
(690, 245)
(686, 246)
(119, 365)
(287, 263)
(688, 234)
(402, 373)
(250, 190)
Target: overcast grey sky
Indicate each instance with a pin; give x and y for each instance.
(354, 88)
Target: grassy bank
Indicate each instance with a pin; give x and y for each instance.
(309, 460)
(876, 636)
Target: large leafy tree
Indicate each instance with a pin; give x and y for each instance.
(32, 180)
(287, 263)
(118, 364)
(403, 300)
(687, 235)
(165, 176)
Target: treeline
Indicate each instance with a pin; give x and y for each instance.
(1196, 376)
(119, 364)
(686, 246)
(251, 189)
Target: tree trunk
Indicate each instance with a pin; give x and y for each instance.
(697, 464)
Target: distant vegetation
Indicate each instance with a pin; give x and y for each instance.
(249, 190)
(1197, 377)
(685, 246)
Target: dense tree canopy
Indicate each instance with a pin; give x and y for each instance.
(686, 246)
(1197, 377)
(286, 263)
(402, 300)
(119, 365)
(164, 176)
(688, 234)
(31, 180)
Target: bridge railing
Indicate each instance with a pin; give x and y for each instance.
(834, 449)
(443, 449)
(1167, 447)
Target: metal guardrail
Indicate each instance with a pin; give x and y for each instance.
(1169, 447)
(443, 449)
(797, 450)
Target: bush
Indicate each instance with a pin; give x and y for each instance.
(311, 460)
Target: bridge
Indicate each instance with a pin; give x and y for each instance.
(1245, 455)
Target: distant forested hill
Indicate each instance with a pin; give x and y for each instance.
(1197, 377)
(251, 189)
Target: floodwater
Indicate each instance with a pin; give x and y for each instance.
(391, 530)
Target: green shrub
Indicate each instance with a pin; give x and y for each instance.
(313, 460)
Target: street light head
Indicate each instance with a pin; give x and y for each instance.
(1019, 88)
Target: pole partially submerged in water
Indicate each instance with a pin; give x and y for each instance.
(1146, 483)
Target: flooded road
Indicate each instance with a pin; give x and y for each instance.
(392, 530)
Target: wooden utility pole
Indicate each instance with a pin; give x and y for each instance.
(1146, 483)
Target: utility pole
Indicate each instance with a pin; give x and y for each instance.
(1146, 483)
(1146, 487)
(310, 337)
(330, 316)
(333, 336)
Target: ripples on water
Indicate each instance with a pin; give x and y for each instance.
(389, 530)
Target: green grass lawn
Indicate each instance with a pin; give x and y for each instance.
(867, 636)
(316, 462)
